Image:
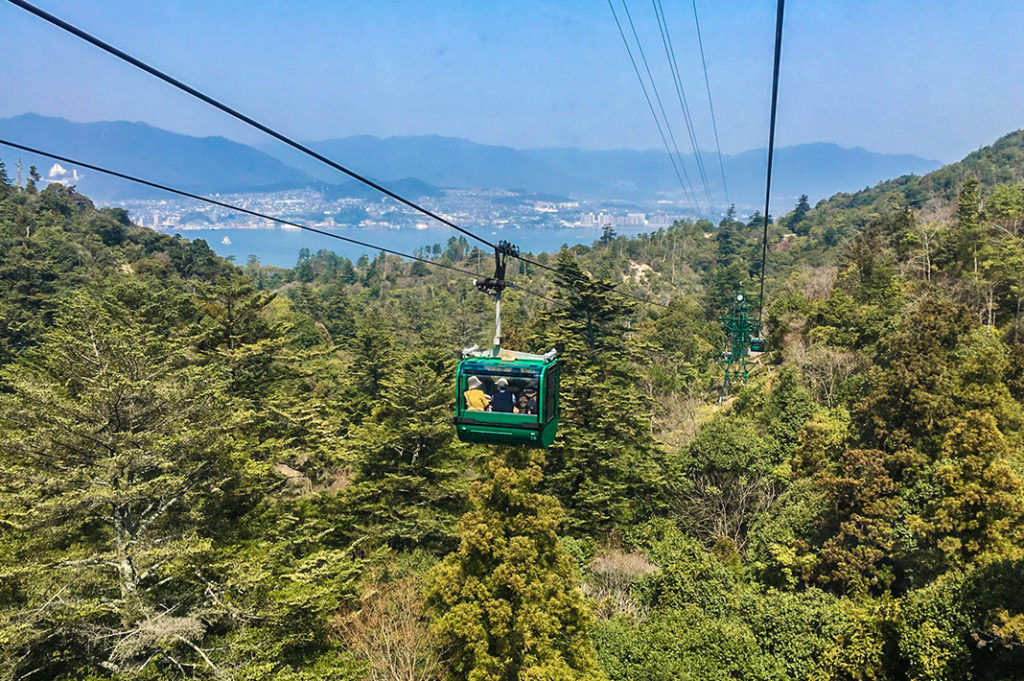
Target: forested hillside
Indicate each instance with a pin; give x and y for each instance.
(217, 471)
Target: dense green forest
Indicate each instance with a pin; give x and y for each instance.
(222, 471)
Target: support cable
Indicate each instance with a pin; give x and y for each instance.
(711, 104)
(124, 56)
(229, 206)
(240, 209)
(771, 150)
(687, 186)
(120, 54)
(677, 81)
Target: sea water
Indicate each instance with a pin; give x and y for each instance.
(280, 246)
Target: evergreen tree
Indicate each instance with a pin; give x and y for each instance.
(786, 410)
(977, 515)
(960, 247)
(237, 332)
(406, 467)
(796, 221)
(604, 467)
(913, 396)
(303, 266)
(607, 235)
(114, 450)
(33, 179)
(507, 603)
(857, 558)
(374, 355)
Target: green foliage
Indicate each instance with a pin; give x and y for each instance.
(786, 410)
(914, 389)
(603, 467)
(506, 600)
(797, 220)
(406, 467)
(966, 625)
(682, 644)
(689, 574)
(723, 480)
(976, 515)
(862, 513)
(221, 472)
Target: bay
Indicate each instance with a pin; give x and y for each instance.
(280, 247)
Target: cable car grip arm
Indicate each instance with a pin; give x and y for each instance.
(496, 284)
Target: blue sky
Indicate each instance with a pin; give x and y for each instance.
(937, 78)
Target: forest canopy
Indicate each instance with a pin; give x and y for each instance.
(220, 471)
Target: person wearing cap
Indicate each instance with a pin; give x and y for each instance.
(476, 398)
(527, 403)
(503, 400)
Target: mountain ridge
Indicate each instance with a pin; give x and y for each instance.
(195, 164)
(199, 164)
(1001, 162)
(216, 164)
(819, 169)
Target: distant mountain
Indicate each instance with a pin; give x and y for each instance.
(219, 165)
(409, 187)
(197, 164)
(1001, 162)
(818, 170)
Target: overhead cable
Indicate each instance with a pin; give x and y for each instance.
(687, 185)
(711, 104)
(106, 47)
(771, 149)
(677, 81)
(229, 206)
(124, 56)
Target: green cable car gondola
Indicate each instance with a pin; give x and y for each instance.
(508, 399)
(501, 396)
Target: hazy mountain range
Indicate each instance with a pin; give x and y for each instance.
(818, 170)
(417, 165)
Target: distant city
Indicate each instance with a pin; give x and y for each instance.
(471, 208)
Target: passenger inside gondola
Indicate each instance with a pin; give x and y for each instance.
(476, 398)
(526, 403)
(503, 400)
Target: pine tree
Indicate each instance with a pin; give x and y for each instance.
(33, 179)
(374, 352)
(236, 331)
(507, 602)
(913, 397)
(607, 235)
(862, 509)
(960, 246)
(114, 451)
(786, 410)
(604, 467)
(796, 221)
(407, 469)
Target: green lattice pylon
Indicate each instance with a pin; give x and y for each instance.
(739, 329)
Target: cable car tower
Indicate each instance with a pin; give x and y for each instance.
(745, 342)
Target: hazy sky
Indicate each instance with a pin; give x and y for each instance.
(936, 78)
